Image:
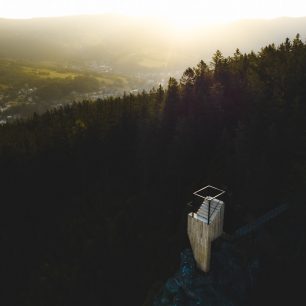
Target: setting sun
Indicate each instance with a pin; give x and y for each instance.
(182, 14)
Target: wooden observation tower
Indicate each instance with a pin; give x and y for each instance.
(205, 225)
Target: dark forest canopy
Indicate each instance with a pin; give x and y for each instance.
(93, 195)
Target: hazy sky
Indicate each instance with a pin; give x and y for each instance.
(181, 13)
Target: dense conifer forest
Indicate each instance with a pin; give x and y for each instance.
(93, 195)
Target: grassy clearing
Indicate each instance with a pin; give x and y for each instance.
(48, 73)
(3, 87)
(112, 79)
(54, 81)
(45, 73)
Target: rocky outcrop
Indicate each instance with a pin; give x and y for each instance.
(229, 282)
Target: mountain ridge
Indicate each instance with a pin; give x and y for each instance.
(134, 45)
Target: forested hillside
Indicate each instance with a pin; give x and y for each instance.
(93, 195)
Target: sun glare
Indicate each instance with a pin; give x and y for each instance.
(180, 13)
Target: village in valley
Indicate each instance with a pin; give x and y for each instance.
(38, 88)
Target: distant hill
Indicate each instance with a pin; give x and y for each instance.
(135, 44)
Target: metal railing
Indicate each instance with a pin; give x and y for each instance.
(209, 198)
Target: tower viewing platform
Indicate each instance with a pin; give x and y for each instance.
(205, 225)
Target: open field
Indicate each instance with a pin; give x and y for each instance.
(45, 73)
(27, 87)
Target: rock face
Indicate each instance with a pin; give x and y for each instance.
(229, 282)
(247, 265)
